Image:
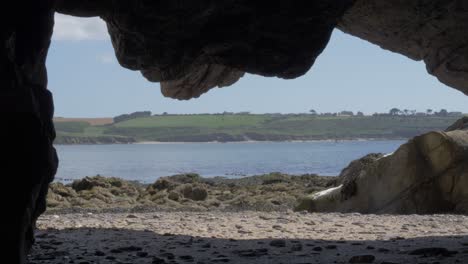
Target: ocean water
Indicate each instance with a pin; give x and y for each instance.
(147, 162)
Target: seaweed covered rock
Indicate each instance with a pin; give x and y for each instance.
(269, 192)
(196, 193)
(94, 192)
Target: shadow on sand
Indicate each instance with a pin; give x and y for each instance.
(88, 245)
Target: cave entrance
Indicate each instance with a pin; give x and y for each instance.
(188, 190)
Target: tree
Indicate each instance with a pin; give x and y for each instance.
(394, 111)
(313, 112)
(443, 112)
(406, 111)
(429, 111)
(359, 113)
(347, 113)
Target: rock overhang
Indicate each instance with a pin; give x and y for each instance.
(191, 47)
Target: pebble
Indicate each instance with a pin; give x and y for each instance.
(362, 259)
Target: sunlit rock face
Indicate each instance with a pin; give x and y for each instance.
(433, 31)
(428, 174)
(193, 46)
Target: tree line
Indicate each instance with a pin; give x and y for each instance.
(392, 112)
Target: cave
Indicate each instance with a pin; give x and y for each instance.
(191, 47)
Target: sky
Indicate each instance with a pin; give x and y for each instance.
(351, 74)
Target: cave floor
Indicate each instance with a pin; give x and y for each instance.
(250, 237)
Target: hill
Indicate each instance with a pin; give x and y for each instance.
(244, 127)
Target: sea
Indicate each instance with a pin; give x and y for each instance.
(148, 162)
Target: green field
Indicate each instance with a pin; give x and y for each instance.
(242, 127)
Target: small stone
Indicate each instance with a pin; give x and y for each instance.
(317, 249)
(186, 257)
(220, 259)
(362, 259)
(435, 251)
(383, 250)
(278, 243)
(157, 260)
(168, 255)
(296, 247)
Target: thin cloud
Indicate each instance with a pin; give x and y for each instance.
(106, 58)
(68, 28)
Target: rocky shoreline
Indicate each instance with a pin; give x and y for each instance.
(189, 192)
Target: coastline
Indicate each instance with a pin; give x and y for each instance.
(241, 142)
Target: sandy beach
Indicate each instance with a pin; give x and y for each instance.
(250, 237)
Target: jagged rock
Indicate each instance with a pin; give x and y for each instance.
(428, 30)
(460, 124)
(429, 174)
(193, 46)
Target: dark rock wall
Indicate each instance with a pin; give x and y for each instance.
(28, 160)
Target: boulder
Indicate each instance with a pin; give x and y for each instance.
(428, 174)
(194, 192)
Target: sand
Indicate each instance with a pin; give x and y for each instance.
(250, 237)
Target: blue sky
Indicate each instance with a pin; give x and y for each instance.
(351, 74)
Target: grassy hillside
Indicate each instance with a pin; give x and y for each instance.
(236, 127)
